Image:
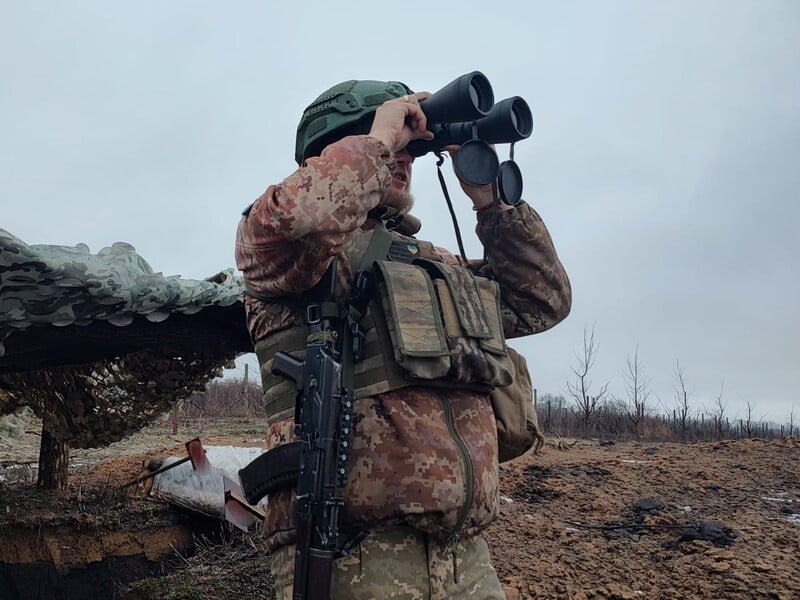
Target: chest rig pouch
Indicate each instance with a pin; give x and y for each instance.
(444, 322)
(429, 323)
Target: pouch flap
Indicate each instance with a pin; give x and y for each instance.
(412, 314)
(489, 293)
(465, 293)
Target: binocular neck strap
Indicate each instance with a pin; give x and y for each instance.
(439, 163)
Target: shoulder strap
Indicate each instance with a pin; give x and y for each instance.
(378, 248)
(363, 285)
(360, 295)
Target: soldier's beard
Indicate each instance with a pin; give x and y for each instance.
(402, 200)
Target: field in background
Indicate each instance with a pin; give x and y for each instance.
(583, 519)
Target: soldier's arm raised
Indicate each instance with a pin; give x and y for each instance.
(520, 256)
(288, 237)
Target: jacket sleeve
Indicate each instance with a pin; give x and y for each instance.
(288, 237)
(520, 256)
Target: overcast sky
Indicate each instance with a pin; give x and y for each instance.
(665, 158)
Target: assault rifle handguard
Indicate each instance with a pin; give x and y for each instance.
(323, 424)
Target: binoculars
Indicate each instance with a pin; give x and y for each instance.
(464, 113)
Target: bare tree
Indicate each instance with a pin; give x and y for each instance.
(611, 419)
(682, 413)
(550, 409)
(718, 415)
(580, 387)
(637, 387)
(750, 426)
(791, 421)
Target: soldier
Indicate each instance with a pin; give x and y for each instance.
(423, 471)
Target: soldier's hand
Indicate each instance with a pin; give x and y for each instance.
(399, 121)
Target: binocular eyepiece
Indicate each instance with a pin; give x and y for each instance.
(464, 113)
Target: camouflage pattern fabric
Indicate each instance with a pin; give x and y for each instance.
(102, 402)
(517, 422)
(56, 301)
(403, 564)
(422, 457)
(520, 256)
(68, 285)
(292, 232)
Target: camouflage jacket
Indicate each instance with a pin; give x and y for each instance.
(421, 456)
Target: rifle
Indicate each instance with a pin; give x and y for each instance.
(323, 423)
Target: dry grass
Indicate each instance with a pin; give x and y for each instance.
(230, 565)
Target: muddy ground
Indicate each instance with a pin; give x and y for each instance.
(621, 521)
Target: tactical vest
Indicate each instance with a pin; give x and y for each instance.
(431, 324)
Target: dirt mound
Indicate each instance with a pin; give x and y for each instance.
(99, 535)
(652, 521)
(624, 521)
(91, 539)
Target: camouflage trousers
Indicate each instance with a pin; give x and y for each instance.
(401, 563)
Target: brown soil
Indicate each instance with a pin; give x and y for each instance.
(101, 534)
(624, 521)
(572, 528)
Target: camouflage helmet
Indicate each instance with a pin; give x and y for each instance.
(345, 109)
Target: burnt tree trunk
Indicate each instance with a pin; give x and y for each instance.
(53, 461)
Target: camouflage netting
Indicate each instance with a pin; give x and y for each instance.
(68, 285)
(100, 344)
(106, 401)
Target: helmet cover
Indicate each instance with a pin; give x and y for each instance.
(347, 108)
